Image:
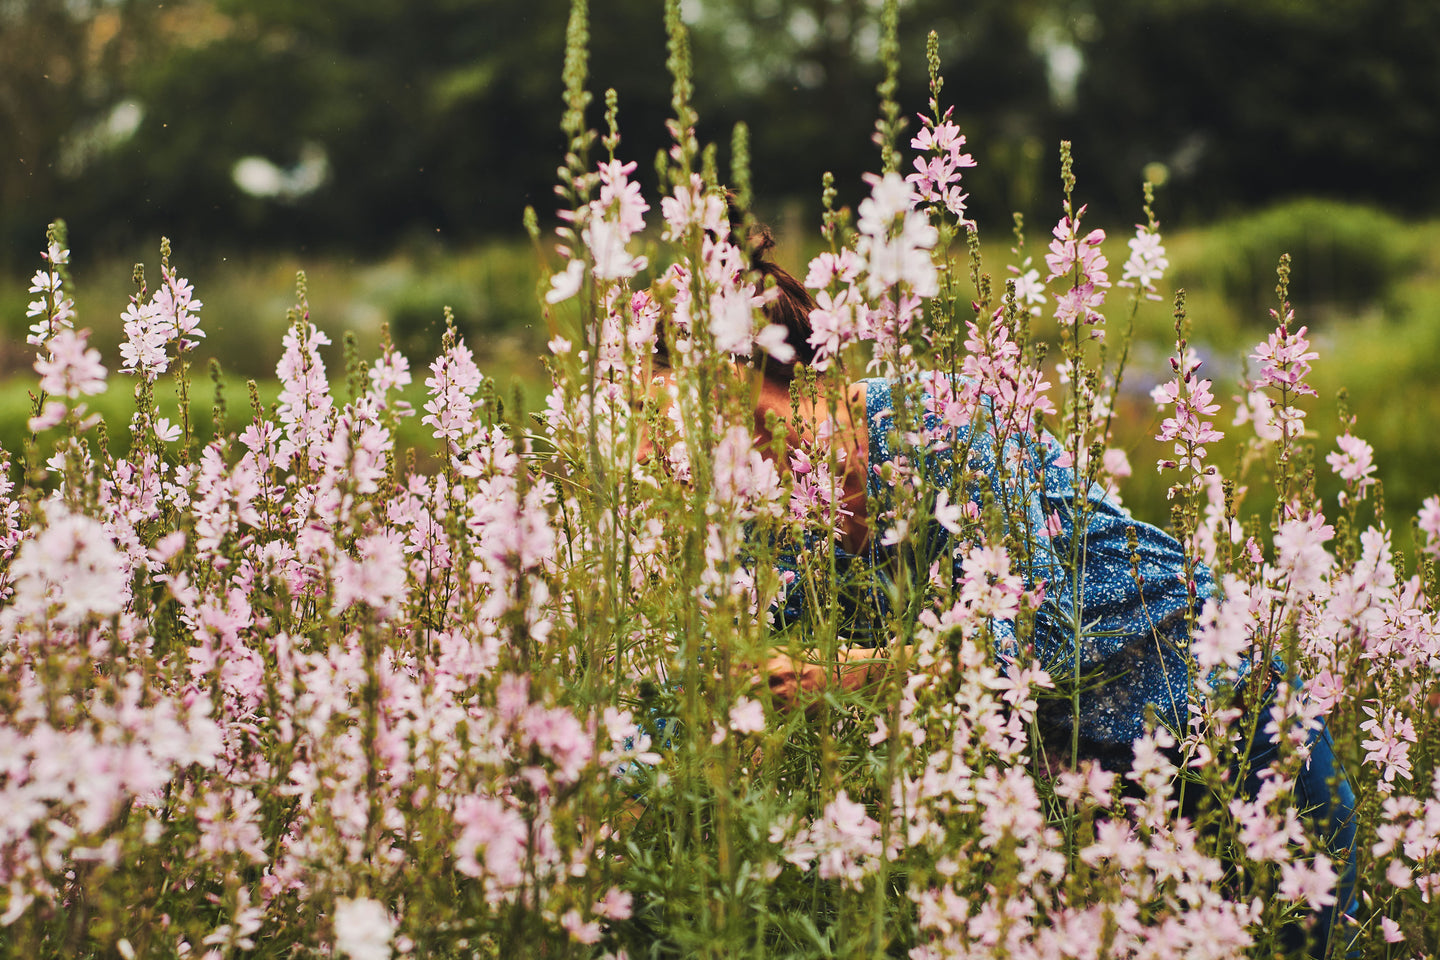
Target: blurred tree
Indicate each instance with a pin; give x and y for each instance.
(1249, 101)
(61, 101)
(352, 121)
(361, 123)
(803, 75)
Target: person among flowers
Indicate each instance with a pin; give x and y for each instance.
(1120, 598)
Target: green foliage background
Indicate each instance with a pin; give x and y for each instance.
(436, 118)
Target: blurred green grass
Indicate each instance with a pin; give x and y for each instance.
(1366, 285)
(490, 288)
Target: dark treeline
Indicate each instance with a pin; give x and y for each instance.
(357, 124)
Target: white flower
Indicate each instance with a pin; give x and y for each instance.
(363, 929)
(566, 283)
(70, 569)
(747, 716)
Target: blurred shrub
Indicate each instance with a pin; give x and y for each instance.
(1345, 256)
(490, 289)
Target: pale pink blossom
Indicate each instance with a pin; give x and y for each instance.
(747, 716)
(1388, 747)
(690, 206)
(937, 178)
(1147, 262)
(68, 571)
(1284, 360)
(617, 904)
(376, 578)
(1029, 288)
(1310, 882)
(580, 929)
(566, 283)
(1081, 262)
(829, 267)
(1188, 429)
(844, 843)
(895, 240)
(364, 929)
(1354, 462)
(833, 323)
(1429, 523)
(73, 367)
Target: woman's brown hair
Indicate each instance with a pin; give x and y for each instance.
(790, 307)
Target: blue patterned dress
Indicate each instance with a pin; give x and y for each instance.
(1125, 639)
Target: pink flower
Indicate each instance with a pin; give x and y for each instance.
(772, 341)
(1300, 554)
(1079, 260)
(609, 245)
(745, 481)
(497, 830)
(895, 241)
(833, 323)
(1187, 428)
(845, 841)
(567, 282)
(52, 414)
(1147, 262)
(691, 206)
(1227, 626)
(579, 929)
(617, 904)
(613, 219)
(69, 571)
(828, 267)
(1429, 523)
(948, 514)
(747, 716)
(377, 579)
(1115, 841)
(53, 311)
(170, 316)
(1389, 744)
(1355, 463)
(557, 734)
(73, 367)
(1091, 783)
(620, 198)
(1116, 463)
(1029, 288)
(1311, 883)
(305, 404)
(389, 372)
(937, 179)
(363, 929)
(1285, 360)
(452, 385)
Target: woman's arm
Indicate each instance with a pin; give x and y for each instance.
(792, 680)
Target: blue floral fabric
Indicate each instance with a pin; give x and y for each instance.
(1120, 639)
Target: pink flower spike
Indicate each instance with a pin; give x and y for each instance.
(1147, 262)
(1284, 360)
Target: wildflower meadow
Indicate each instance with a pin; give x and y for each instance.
(283, 692)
